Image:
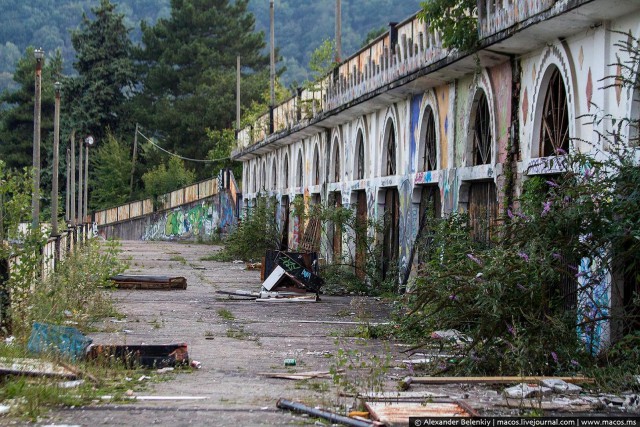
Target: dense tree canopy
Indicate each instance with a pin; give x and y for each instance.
(189, 62)
(105, 72)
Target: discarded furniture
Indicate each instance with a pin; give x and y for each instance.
(149, 282)
(145, 355)
(34, 368)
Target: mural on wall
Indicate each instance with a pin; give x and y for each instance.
(227, 212)
(442, 94)
(594, 287)
(187, 222)
(414, 129)
(409, 222)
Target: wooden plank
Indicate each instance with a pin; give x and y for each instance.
(149, 282)
(34, 368)
(298, 375)
(397, 414)
(495, 380)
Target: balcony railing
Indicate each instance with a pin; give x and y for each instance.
(497, 15)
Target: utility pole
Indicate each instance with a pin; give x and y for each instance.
(67, 204)
(133, 163)
(237, 94)
(338, 30)
(56, 161)
(272, 72)
(80, 174)
(35, 196)
(71, 170)
(86, 179)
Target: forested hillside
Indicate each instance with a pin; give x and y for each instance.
(301, 26)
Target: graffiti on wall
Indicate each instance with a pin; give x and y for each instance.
(414, 128)
(408, 223)
(593, 304)
(200, 220)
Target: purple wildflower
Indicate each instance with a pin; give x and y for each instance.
(509, 214)
(560, 151)
(546, 207)
(524, 256)
(554, 356)
(574, 362)
(588, 173)
(511, 330)
(522, 288)
(552, 184)
(521, 215)
(556, 256)
(474, 259)
(453, 297)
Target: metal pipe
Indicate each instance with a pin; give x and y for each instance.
(67, 203)
(338, 31)
(334, 418)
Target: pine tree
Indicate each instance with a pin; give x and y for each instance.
(106, 72)
(189, 77)
(16, 121)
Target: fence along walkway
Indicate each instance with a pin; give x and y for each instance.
(198, 191)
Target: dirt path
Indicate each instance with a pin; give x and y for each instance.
(256, 337)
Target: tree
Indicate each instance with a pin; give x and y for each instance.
(189, 63)
(106, 72)
(162, 179)
(16, 122)
(456, 20)
(111, 168)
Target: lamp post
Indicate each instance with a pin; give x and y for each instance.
(80, 176)
(35, 197)
(56, 161)
(88, 142)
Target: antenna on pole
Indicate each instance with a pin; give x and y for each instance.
(272, 73)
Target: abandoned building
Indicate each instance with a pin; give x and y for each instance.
(404, 123)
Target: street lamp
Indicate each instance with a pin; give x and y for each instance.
(56, 160)
(89, 141)
(35, 198)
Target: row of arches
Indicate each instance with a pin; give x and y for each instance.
(551, 136)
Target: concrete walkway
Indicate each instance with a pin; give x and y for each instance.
(256, 338)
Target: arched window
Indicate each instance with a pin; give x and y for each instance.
(390, 150)
(286, 171)
(336, 162)
(316, 167)
(482, 141)
(360, 162)
(554, 127)
(274, 176)
(428, 161)
(254, 179)
(300, 170)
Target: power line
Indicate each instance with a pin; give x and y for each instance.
(179, 156)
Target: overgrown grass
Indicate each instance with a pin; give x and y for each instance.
(226, 314)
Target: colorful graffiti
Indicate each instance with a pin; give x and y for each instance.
(186, 222)
(408, 223)
(414, 128)
(593, 304)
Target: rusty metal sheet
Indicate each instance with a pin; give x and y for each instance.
(123, 212)
(149, 282)
(112, 215)
(397, 414)
(190, 193)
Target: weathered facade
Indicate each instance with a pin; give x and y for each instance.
(404, 122)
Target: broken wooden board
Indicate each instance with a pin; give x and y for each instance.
(306, 298)
(397, 414)
(146, 355)
(492, 380)
(161, 283)
(34, 368)
(298, 375)
(398, 396)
